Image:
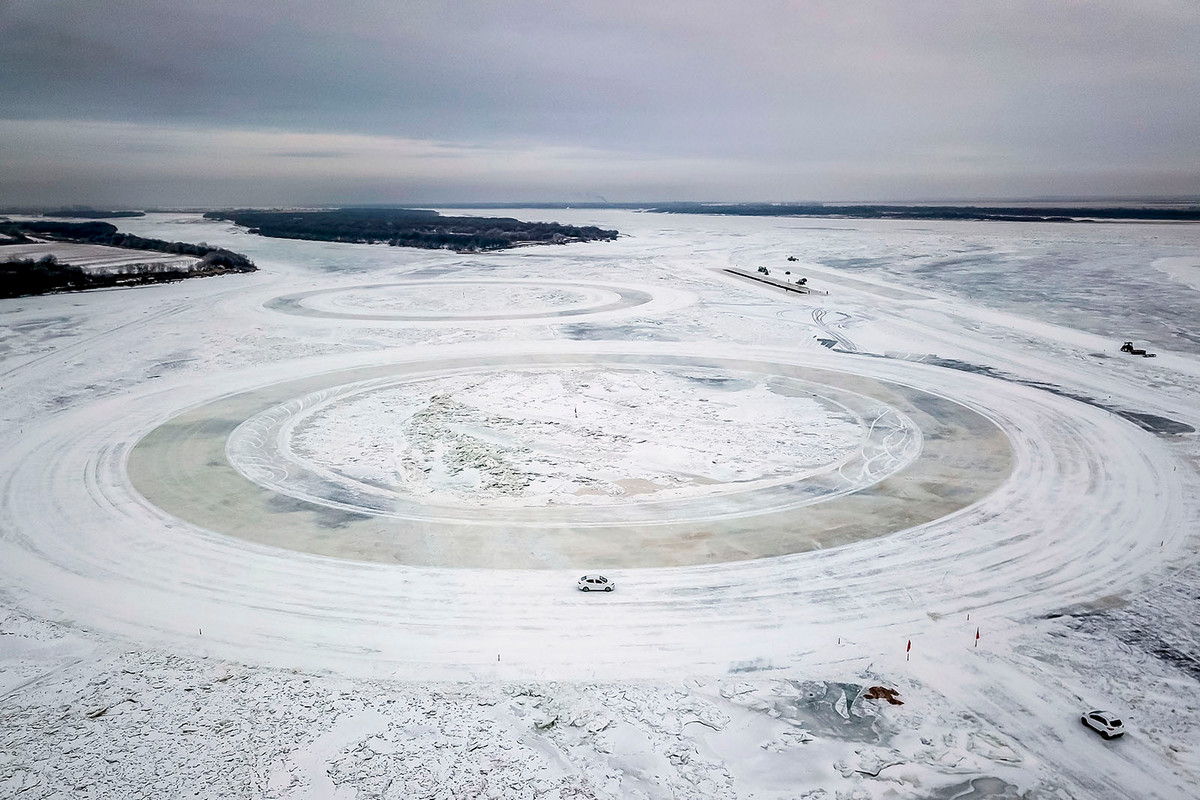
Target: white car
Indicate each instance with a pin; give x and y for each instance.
(595, 583)
(1105, 723)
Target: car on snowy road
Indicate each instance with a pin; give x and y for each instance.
(595, 583)
(1105, 723)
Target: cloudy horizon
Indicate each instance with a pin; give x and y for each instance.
(141, 103)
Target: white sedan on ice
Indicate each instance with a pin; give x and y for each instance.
(595, 583)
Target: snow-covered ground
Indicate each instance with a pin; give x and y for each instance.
(98, 258)
(516, 436)
(313, 531)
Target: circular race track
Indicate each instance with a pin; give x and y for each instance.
(443, 300)
(485, 462)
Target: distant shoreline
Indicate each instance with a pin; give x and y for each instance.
(1069, 211)
(1049, 212)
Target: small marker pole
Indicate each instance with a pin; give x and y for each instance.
(977, 637)
(201, 631)
(908, 650)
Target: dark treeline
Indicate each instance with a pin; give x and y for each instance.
(106, 234)
(1064, 213)
(409, 228)
(92, 213)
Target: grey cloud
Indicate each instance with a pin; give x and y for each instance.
(935, 90)
(310, 154)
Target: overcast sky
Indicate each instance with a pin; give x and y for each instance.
(244, 102)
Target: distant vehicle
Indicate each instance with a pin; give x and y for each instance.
(1105, 723)
(595, 583)
(1135, 351)
(764, 270)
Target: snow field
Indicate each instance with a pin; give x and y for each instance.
(98, 258)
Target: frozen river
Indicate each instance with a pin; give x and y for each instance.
(367, 473)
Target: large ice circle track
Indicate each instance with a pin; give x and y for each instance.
(1082, 512)
(893, 479)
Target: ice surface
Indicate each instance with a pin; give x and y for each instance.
(145, 655)
(581, 436)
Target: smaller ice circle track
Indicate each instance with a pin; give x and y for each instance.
(462, 300)
(1082, 513)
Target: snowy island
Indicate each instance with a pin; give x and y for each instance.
(405, 227)
(38, 256)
